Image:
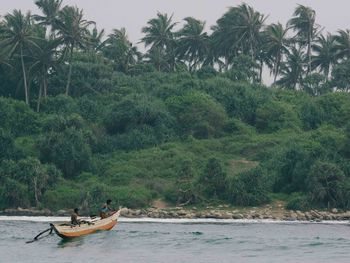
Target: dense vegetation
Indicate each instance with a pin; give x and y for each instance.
(84, 117)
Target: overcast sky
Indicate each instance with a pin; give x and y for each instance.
(134, 14)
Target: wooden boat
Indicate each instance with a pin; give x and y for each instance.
(85, 228)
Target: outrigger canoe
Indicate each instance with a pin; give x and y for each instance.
(85, 228)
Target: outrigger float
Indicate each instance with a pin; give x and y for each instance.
(86, 227)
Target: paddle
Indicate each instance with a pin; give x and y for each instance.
(36, 238)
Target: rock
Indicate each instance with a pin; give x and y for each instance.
(334, 211)
(124, 211)
(237, 216)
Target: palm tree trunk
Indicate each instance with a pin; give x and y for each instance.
(24, 78)
(70, 70)
(277, 67)
(309, 52)
(45, 82)
(39, 98)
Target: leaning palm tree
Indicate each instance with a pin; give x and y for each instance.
(96, 43)
(343, 44)
(50, 10)
(17, 37)
(292, 69)
(159, 35)
(120, 50)
(44, 59)
(238, 32)
(275, 45)
(73, 30)
(304, 24)
(325, 54)
(159, 32)
(192, 42)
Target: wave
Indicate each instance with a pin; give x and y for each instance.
(175, 220)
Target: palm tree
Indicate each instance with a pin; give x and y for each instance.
(250, 26)
(275, 45)
(304, 23)
(193, 42)
(96, 44)
(44, 59)
(325, 54)
(238, 32)
(292, 70)
(159, 32)
(73, 30)
(159, 35)
(343, 44)
(51, 10)
(17, 36)
(119, 49)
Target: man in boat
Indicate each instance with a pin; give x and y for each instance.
(106, 210)
(74, 217)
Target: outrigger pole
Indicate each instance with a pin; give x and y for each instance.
(36, 238)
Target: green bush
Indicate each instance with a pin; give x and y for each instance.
(60, 104)
(68, 150)
(298, 201)
(213, 181)
(275, 115)
(17, 118)
(63, 197)
(249, 188)
(291, 164)
(197, 114)
(132, 197)
(324, 184)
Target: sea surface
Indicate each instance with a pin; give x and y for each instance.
(156, 240)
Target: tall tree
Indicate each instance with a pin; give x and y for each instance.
(73, 30)
(275, 45)
(44, 59)
(304, 24)
(119, 49)
(159, 35)
(50, 10)
(238, 32)
(325, 53)
(96, 43)
(343, 44)
(18, 37)
(292, 69)
(192, 42)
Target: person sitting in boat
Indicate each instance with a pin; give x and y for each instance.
(74, 217)
(106, 210)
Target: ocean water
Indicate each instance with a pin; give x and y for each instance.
(149, 240)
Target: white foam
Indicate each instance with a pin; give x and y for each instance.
(174, 220)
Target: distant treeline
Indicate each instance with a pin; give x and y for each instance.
(188, 122)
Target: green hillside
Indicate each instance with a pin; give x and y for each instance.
(85, 117)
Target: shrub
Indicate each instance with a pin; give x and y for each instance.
(249, 188)
(63, 197)
(275, 115)
(298, 201)
(291, 164)
(212, 182)
(324, 184)
(68, 150)
(60, 104)
(198, 114)
(138, 122)
(17, 118)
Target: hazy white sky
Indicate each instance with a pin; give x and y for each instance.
(133, 14)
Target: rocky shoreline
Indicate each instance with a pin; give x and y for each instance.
(220, 212)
